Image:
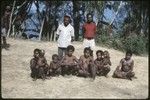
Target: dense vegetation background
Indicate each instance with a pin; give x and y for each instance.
(122, 25)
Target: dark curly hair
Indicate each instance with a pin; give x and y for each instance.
(54, 55)
(70, 47)
(129, 52)
(99, 51)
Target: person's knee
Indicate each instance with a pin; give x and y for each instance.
(131, 74)
(107, 69)
(81, 72)
(116, 74)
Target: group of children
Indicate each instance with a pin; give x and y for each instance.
(85, 66)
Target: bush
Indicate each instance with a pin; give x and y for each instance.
(103, 39)
(138, 45)
(117, 44)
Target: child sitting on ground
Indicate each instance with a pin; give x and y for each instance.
(106, 63)
(69, 63)
(102, 63)
(125, 68)
(86, 64)
(99, 62)
(54, 68)
(33, 64)
(42, 64)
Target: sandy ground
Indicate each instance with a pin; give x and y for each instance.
(16, 81)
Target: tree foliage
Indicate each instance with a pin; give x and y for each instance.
(136, 23)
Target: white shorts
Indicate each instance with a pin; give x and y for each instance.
(89, 43)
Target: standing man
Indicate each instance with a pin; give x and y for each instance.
(5, 25)
(89, 32)
(65, 35)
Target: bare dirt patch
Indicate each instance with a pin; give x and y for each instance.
(16, 81)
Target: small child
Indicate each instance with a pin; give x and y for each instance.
(106, 58)
(102, 63)
(33, 64)
(125, 68)
(99, 62)
(86, 64)
(55, 68)
(69, 62)
(42, 64)
(106, 63)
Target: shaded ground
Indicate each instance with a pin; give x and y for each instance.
(16, 81)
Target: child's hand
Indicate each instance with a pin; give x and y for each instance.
(90, 62)
(105, 65)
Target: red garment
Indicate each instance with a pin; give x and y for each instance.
(89, 30)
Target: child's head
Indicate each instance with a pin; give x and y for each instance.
(87, 52)
(99, 54)
(55, 58)
(128, 55)
(42, 53)
(106, 54)
(70, 50)
(36, 53)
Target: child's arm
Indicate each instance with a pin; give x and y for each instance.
(32, 63)
(62, 62)
(45, 61)
(81, 64)
(75, 61)
(120, 65)
(109, 62)
(91, 61)
(40, 62)
(96, 64)
(132, 65)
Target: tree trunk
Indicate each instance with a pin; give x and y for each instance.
(41, 29)
(11, 18)
(76, 18)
